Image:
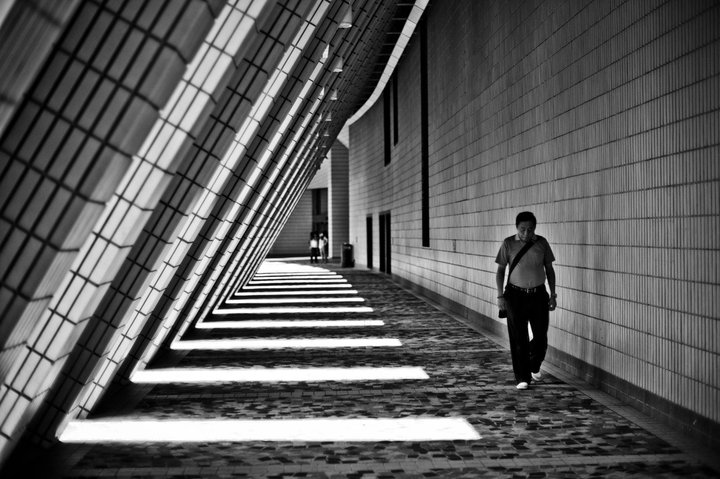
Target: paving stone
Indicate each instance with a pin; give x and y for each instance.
(552, 430)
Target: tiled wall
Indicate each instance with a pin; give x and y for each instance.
(27, 33)
(604, 119)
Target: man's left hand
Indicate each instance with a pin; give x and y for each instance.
(552, 304)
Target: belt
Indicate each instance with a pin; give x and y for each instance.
(536, 289)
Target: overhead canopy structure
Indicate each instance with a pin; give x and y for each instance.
(150, 154)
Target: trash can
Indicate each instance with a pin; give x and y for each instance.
(346, 257)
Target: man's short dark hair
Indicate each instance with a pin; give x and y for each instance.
(525, 216)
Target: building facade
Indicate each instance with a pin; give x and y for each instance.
(600, 117)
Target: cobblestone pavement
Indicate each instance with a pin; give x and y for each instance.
(555, 429)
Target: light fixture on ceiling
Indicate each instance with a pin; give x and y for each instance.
(347, 18)
(337, 66)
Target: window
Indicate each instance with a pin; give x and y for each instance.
(320, 210)
(369, 240)
(394, 83)
(385, 243)
(424, 127)
(387, 124)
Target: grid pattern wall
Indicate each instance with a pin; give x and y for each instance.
(288, 193)
(602, 118)
(237, 263)
(253, 179)
(206, 225)
(269, 208)
(234, 124)
(170, 231)
(394, 187)
(285, 185)
(67, 151)
(369, 187)
(255, 205)
(27, 32)
(159, 260)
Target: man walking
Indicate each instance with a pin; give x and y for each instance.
(524, 299)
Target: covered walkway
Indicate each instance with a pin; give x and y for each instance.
(372, 381)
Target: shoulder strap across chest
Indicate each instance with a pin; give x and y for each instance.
(520, 254)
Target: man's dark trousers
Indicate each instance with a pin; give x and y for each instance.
(524, 308)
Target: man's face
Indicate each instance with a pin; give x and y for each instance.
(526, 230)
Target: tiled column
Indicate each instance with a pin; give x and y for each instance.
(252, 255)
(342, 44)
(236, 206)
(65, 152)
(244, 260)
(27, 33)
(236, 260)
(168, 233)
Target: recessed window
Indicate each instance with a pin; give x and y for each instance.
(395, 121)
(387, 124)
(424, 127)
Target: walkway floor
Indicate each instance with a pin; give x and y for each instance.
(558, 428)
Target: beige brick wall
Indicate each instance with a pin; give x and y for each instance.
(602, 118)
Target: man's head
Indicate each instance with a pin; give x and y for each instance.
(525, 216)
(525, 223)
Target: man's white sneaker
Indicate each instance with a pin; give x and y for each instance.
(522, 385)
(536, 376)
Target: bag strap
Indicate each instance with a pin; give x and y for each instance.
(520, 254)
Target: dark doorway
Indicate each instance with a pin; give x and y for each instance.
(369, 240)
(320, 210)
(385, 243)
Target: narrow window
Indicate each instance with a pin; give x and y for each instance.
(425, 169)
(387, 126)
(369, 239)
(381, 243)
(395, 107)
(385, 243)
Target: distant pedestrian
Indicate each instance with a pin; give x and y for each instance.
(323, 244)
(314, 247)
(524, 300)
